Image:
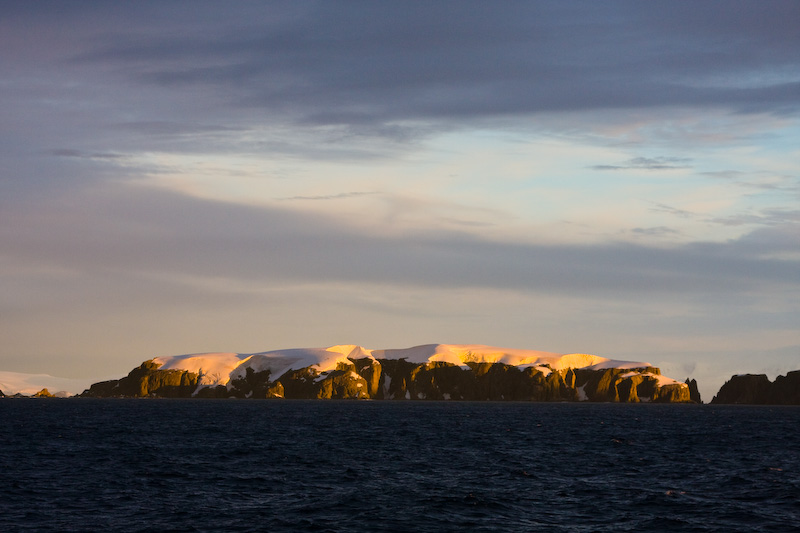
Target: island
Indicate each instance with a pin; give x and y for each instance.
(427, 372)
(757, 389)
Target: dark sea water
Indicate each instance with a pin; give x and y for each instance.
(233, 465)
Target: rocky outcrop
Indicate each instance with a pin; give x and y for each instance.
(694, 393)
(44, 393)
(399, 379)
(757, 389)
(744, 388)
(786, 389)
(628, 385)
(147, 380)
(253, 384)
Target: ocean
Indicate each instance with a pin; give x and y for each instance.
(335, 466)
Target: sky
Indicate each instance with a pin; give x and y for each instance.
(615, 178)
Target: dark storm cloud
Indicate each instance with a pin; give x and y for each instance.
(369, 63)
(361, 80)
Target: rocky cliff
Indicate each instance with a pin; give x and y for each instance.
(757, 389)
(369, 377)
(147, 380)
(694, 393)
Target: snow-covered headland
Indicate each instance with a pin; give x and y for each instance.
(432, 371)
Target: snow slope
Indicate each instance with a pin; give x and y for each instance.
(220, 368)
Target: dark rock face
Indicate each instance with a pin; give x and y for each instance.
(44, 393)
(371, 371)
(746, 388)
(252, 385)
(2, 395)
(757, 389)
(398, 379)
(342, 384)
(694, 393)
(147, 380)
(628, 385)
(786, 389)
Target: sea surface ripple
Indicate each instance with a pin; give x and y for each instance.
(332, 466)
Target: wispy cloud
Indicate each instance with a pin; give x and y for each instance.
(762, 180)
(338, 196)
(670, 210)
(770, 217)
(69, 152)
(657, 231)
(648, 163)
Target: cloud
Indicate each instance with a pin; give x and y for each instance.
(779, 239)
(339, 196)
(668, 209)
(768, 217)
(656, 231)
(162, 232)
(68, 152)
(762, 180)
(726, 174)
(323, 64)
(648, 163)
(164, 127)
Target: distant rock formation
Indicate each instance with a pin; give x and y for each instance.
(694, 393)
(2, 395)
(757, 389)
(400, 379)
(44, 393)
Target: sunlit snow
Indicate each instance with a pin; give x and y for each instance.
(221, 368)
